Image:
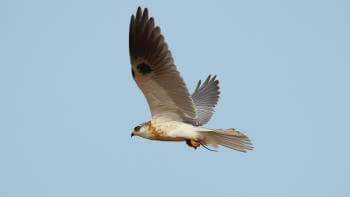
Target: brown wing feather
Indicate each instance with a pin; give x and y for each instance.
(155, 73)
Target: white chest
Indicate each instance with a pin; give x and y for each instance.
(172, 131)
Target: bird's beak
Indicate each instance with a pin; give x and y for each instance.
(132, 134)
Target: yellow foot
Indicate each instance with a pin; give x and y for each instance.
(192, 143)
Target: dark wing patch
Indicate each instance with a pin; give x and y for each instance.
(144, 68)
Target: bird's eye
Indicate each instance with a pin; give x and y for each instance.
(137, 128)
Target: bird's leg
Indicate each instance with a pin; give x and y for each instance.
(192, 143)
(188, 142)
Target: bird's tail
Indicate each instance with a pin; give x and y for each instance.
(229, 138)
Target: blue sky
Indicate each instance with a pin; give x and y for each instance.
(68, 101)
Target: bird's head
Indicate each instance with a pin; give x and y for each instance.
(140, 130)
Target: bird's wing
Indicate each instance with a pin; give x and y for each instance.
(205, 97)
(155, 73)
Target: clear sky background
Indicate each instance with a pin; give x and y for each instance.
(68, 102)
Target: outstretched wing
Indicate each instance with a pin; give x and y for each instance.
(205, 97)
(155, 73)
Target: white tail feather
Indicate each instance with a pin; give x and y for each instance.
(229, 138)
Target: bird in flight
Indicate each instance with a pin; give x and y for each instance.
(176, 115)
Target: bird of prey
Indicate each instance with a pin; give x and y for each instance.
(176, 115)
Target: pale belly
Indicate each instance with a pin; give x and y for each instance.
(172, 131)
(166, 138)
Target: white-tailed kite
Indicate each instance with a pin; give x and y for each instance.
(176, 115)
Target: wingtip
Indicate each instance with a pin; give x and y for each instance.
(145, 13)
(141, 11)
(198, 84)
(138, 13)
(211, 78)
(208, 78)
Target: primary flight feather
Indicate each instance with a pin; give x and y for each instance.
(176, 115)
